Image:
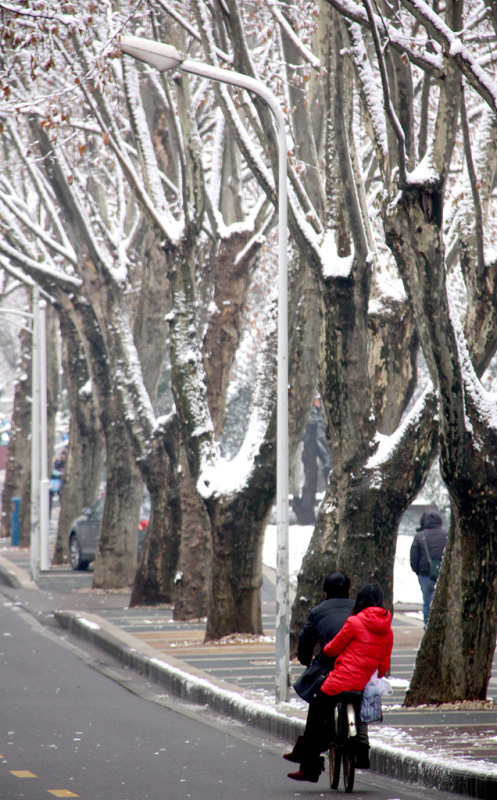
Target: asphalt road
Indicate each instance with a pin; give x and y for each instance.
(77, 724)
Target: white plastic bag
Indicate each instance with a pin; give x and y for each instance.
(377, 685)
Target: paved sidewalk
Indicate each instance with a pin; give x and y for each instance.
(451, 749)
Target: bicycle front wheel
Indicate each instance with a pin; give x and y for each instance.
(335, 757)
(348, 768)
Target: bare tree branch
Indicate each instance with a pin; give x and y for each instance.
(392, 116)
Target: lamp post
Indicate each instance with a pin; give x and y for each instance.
(39, 551)
(165, 57)
(35, 439)
(44, 480)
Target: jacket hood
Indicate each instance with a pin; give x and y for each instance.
(377, 620)
(430, 519)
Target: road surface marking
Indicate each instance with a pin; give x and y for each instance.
(23, 773)
(62, 793)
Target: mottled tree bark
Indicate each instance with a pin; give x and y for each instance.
(303, 505)
(193, 579)
(154, 579)
(86, 447)
(18, 470)
(455, 657)
(232, 276)
(116, 559)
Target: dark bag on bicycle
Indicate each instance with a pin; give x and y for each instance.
(309, 683)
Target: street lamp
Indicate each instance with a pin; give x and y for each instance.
(166, 57)
(40, 556)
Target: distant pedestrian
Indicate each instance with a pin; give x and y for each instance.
(426, 555)
(60, 463)
(57, 477)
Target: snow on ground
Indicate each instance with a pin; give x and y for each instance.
(406, 587)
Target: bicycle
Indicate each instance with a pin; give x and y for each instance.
(343, 744)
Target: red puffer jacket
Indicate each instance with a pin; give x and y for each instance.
(363, 646)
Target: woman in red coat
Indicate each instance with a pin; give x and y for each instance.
(361, 647)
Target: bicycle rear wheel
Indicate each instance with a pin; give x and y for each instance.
(348, 767)
(335, 758)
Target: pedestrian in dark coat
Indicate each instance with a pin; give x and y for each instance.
(323, 623)
(326, 619)
(431, 528)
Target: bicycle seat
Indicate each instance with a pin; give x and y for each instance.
(349, 697)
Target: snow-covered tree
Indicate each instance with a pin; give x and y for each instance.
(92, 242)
(366, 323)
(376, 151)
(51, 230)
(432, 81)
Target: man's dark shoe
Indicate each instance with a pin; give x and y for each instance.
(310, 770)
(304, 776)
(297, 753)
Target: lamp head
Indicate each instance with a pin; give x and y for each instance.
(161, 56)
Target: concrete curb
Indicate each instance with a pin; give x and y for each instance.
(432, 773)
(180, 679)
(14, 576)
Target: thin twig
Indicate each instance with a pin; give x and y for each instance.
(392, 116)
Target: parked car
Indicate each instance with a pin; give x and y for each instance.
(84, 532)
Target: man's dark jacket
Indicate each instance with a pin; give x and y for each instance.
(431, 526)
(323, 623)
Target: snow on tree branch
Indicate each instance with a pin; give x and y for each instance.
(38, 271)
(306, 54)
(29, 223)
(417, 54)
(191, 30)
(454, 49)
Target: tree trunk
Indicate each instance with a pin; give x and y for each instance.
(116, 559)
(53, 381)
(223, 334)
(367, 375)
(460, 639)
(154, 579)
(237, 530)
(357, 524)
(193, 580)
(303, 506)
(454, 661)
(238, 520)
(18, 470)
(86, 448)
